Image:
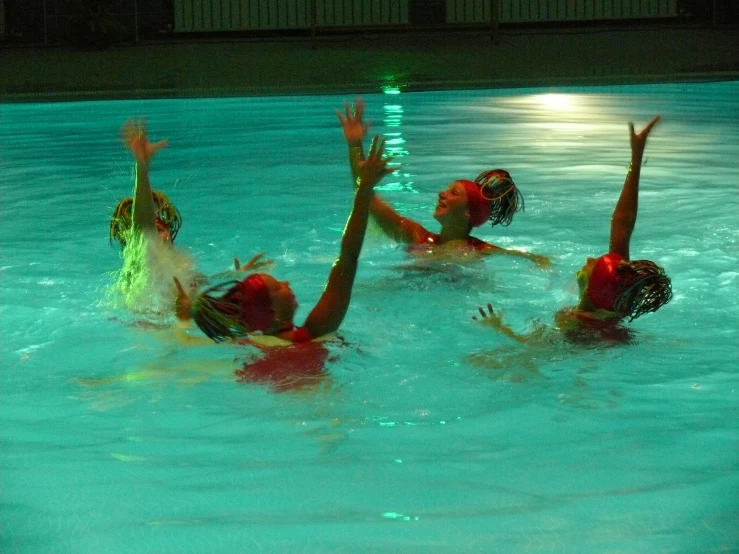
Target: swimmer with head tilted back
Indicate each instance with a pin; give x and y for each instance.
(262, 304)
(612, 287)
(492, 197)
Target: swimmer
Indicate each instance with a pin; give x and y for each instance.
(146, 226)
(148, 212)
(261, 303)
(612, 287)
(493, 197)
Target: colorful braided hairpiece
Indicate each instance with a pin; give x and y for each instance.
(219, 318)
(497, 186)
(122, 219)
(644, 287)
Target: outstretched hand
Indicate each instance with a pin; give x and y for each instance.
(639, 141)
(254, 264)
(375, 167)
(355, 128)
(183, 303)
(490, 318)
(133, 135)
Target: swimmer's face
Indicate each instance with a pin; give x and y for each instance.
(283, 301)
(583, 276)
(452, 204)
(163, 232)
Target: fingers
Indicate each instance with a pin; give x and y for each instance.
(358, 108)
(482, 311)
(183, 303)
(647, 129)
(134, 127)
(180, 290)
(651, 124)
(490, 309)
(254, 263)
(377, 148)
(341, 117)
(373, 146)
(159, 145)
(381, 148)
(390, 169)
(237, 264)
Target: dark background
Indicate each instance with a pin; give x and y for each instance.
(93, 24)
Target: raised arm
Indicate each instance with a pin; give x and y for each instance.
(391, 222)
(624, 216)
(355, 129)
(133, 134)
(329, 312)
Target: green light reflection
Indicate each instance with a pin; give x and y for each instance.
(395, 145)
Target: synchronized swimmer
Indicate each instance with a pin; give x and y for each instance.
(146, 226)
(613, 287)
(492, 197)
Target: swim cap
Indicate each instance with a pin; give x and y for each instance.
(256, 305)
(629, 288)
(243, 308)
(478, 206)
(604, 280)
(167, 217)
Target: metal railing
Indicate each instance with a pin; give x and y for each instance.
(249, 15)
(98, 23)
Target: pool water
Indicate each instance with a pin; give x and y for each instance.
(428, 433)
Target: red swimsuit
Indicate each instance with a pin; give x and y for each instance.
(288, 367)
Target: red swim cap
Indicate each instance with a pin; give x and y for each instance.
(604, 280)
(253, 299)
(478, 206)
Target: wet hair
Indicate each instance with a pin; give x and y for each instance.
(241, 308)
(643, 287)
(122, 220)
(218, 317)
(497, 186)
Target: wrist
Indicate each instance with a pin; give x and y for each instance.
(635, 164)
(364, 187)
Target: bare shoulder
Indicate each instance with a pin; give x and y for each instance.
(416, 233)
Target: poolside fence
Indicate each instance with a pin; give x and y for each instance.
(100, 23)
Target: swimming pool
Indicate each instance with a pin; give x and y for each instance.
(115, 440)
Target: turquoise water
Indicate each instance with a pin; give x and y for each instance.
(429, 434)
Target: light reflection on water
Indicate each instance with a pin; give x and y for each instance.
(117, 439)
